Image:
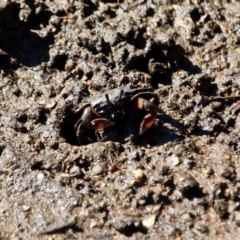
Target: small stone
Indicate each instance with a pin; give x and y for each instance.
(99, 169)
(149, 222)
(75, 171)
(139, 174)
(40, 176)
(227, 157)
(103, 7)
(25, 208)
(112, 168)
(69, 66)
(173, 160)
(51, 104)
(181, 179)
(97, 184)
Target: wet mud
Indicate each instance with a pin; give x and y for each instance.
(179, 180)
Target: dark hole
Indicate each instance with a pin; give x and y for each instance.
(195, 15)
(88, 8)
(36, 166)
(22, 129)
(67, 127)
(1, 149)
(196, 31)
(140, 42)
(5, 62)
(150, 12)
(111, 13)
(192, 193)
(42, 118)
(23, 118)
(36, 20)
(59, 62)
(17, 93)
(139, 63)
(55, 146)
(49, 39)
(220, 128)
(68, 133)
(231, 122)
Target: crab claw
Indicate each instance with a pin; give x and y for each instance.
(92, 120)
(151, 113)
(99, 123)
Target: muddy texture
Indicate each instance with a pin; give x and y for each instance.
(179, 180)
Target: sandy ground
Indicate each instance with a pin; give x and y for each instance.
(178, 180)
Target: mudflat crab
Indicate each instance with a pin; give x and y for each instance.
(105, 109)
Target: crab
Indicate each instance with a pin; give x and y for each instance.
(107, 108)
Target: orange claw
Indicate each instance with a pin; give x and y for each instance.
(147, 122)
(99, 123)
(151, 113)
(92, 120)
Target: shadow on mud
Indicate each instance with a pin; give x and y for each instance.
(26, 47)
(161, 61)
(21, 45)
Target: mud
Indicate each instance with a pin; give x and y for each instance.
(179, 180)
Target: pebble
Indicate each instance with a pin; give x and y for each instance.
(26, 208)
(40, 176)
(173, 160)
(149, 222)
(51, 104)
(227, 157)
(139, 174)
(99, 169)
(75, 171)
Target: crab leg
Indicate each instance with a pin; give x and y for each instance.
(151, 113)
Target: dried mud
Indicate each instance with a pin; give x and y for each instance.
(179, 180)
